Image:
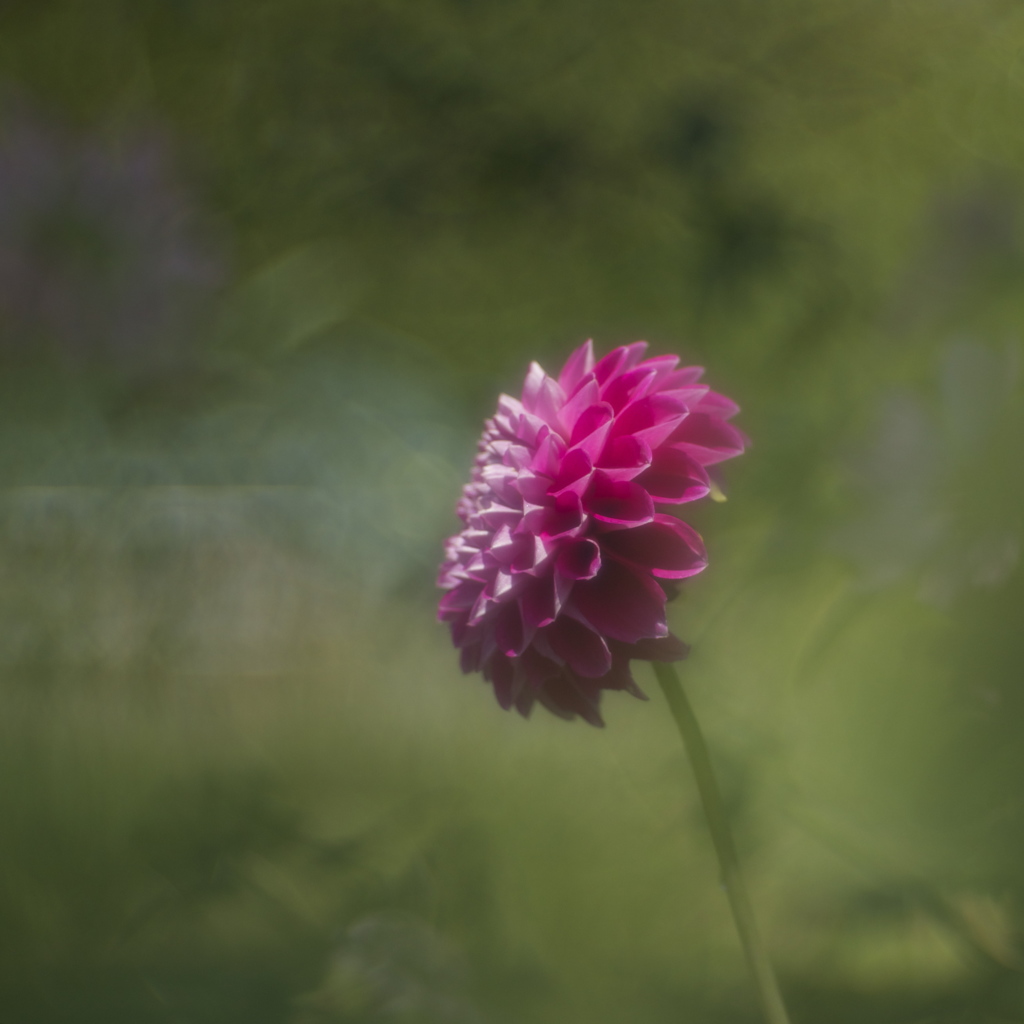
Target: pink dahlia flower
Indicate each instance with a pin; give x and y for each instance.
(556, 580)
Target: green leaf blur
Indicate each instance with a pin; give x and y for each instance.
(264, 267)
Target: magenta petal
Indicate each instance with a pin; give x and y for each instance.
(662, 366)
(525, 700)
(531, 556)
(495, 516)
(592, 420)
(573, 472)
(542, 396)
(663, 648)
(622, 603)
(618, 501)
(549, 403)
(579, 560)
(629, 386)
(685, 377)
(717, 405)
(532, 385)
(567, 697)
(634, 353)
(674, 477)
(619, 676)
(469, 658)
(579, 647)
(653, 418)
(529, 429)
(577, 366)
(562, 516)
(509, 634)
(500, 673)
(667, 547)
(533, 487)
(460, 599)
(548, 456)
(462, 632)
(708, 439)
(588, 394)
(618, 360)
(534, 670)
(505, 547)
(625, 457)
(538, 603)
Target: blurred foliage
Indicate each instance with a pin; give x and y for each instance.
(263, 268)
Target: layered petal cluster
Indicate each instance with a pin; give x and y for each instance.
(557, 579)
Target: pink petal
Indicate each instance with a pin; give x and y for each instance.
(708, 439)
(525, 701)
(718, 405)
(663, 648)
(573, 472)
(548, 456)
(653, 417)
(538, 604)
(501, 480)
(619, 676)
(591, 429)
(662, 366)
(517, 456)
(579, 559)
(503, 545)
(581, 648)
(634, 353)
(667, 547)
(577, 366)
(469, 658)
(683, 376)
(542, 602)
(462, 632)
(674, 477)
(629, 386)
(567, 698)
(535, 378)
(530, 553)
(618, 501)
(509, 634)
(461, 599)
(625, 457)
(587, 395)
(532, 487)
(618, 360)
(622, 603)
(563, 516)
(549, 403)
(533, 670)
(500, 674)
(530, 429)
(494, 515)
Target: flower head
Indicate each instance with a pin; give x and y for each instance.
(556, 580)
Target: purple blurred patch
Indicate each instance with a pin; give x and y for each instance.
(102, 261)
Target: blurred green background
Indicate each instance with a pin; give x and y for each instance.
(264, 267)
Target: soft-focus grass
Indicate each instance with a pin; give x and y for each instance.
(240, 776)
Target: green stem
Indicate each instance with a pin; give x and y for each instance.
(732, 878)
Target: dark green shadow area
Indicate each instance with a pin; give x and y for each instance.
(264, 268)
